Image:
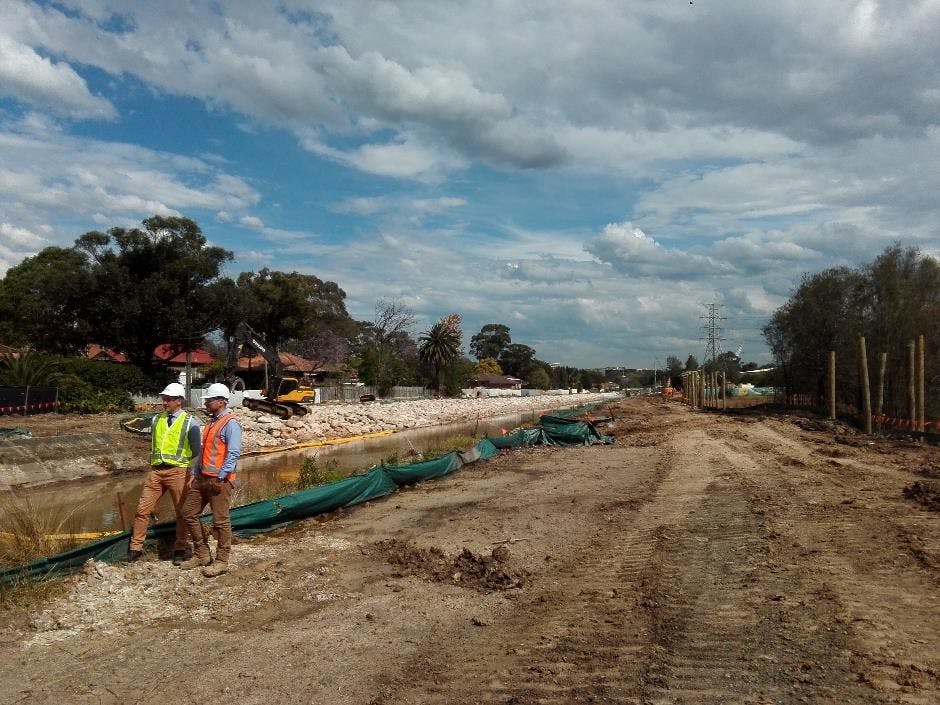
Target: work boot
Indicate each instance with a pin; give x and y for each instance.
(216, 569)
(132, 556)
(196, 561)
(179, 557)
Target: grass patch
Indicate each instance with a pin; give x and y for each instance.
(27, 534)
(312, 473)
(458, 442)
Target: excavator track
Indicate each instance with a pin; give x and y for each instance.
(283, 411)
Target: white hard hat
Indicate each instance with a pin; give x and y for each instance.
(216, 389)
(173, 389)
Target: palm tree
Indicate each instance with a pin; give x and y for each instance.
(28, 368)
(440, 345)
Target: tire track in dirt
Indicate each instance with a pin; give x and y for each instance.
(706, 633)
(585, 637)
(847, 554)
(619, 628)
(734, 640)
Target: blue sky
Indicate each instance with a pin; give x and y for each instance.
(591, 175)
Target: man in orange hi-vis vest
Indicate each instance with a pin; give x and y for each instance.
(212, 484)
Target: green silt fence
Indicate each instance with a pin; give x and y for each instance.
(270, 514)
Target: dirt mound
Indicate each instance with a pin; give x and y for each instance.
(926, 493)
(467, 569)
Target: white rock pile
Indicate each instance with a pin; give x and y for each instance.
(326, 421)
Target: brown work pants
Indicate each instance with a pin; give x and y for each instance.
(218, 495)
(159, 481)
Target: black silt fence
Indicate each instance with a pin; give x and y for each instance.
(28, 400)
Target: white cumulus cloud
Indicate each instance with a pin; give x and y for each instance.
(43, 83)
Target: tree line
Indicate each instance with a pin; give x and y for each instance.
(132, 289)
(890, 301)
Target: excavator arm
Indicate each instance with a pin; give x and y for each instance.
(244, 335)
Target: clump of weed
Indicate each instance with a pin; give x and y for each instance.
(27, 534)
(448, 445)
(312, 473)
(393, 459)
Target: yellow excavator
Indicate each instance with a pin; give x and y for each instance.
(285, 396)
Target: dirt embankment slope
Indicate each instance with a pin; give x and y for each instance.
(701, 559)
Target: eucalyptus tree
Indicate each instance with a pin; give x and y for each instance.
(826, 312)
(152, 285)
(44, 300)
(674, 370)
(289, 305)
(901, 302)
(516, 359)
(492, 339)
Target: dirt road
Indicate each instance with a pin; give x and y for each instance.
(701, 559)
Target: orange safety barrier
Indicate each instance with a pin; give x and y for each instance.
(907, 424)
(47, 405)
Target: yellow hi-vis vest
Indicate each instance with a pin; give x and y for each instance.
(170, 445)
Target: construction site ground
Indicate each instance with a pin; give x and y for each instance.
(754, 557)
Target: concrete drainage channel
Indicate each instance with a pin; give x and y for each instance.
(46, 459)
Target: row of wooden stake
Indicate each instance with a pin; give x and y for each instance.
(704, 389)
(916, 387)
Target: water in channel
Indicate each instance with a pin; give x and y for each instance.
(91, 505)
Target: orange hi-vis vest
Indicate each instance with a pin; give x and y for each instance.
(214, 447)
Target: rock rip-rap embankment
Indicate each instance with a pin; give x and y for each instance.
(328, 421)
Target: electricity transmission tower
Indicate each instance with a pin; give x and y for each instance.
(711, 330)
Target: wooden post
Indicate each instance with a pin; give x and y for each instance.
(724, 384)
(122, 512)
(920, 391)
(866, 391)
(879, 404)
(911, 376)
(189, 376)
(831, 386)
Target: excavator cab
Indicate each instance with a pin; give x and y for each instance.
(291, 389)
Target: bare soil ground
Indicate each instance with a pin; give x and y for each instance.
(703, 558)
(42, 425)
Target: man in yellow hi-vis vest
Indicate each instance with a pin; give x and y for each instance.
(175, 446)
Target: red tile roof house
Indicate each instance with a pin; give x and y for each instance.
(174, 357)
(98, 352)
(252, 367)
(293, 364)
